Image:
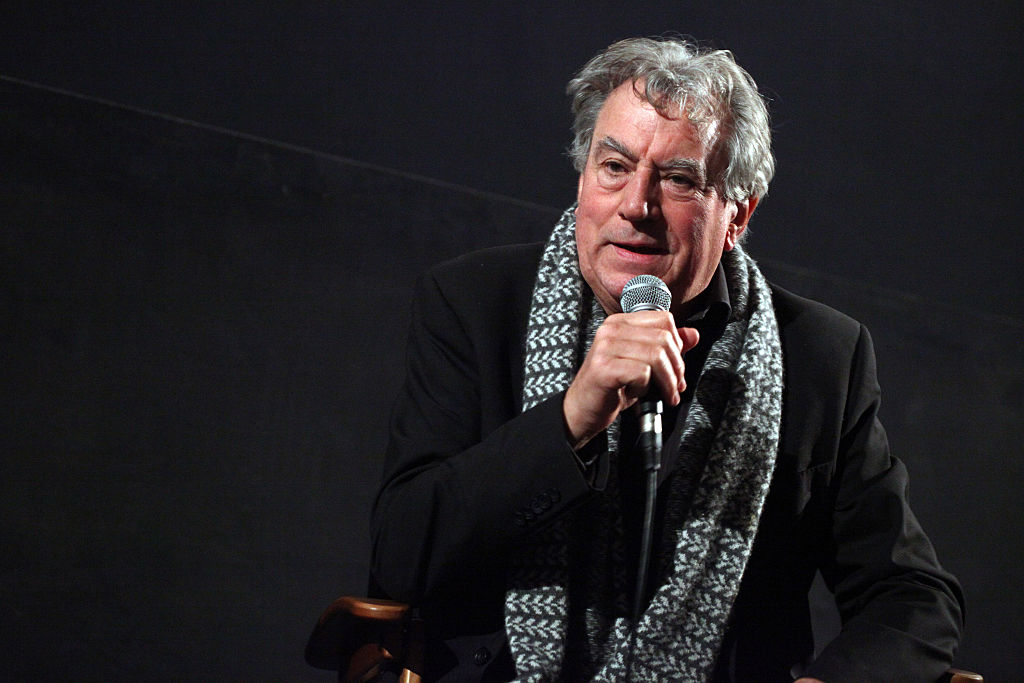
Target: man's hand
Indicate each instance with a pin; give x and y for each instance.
(631, 353)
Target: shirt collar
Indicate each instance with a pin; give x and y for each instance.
(714, 307)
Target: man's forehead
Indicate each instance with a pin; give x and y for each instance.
(629, 102)
(631, 126)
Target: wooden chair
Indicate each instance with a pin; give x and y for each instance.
(362, 637)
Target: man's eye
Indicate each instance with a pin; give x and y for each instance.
(680, 181)
(614, 167)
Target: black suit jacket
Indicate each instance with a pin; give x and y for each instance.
(468, 476)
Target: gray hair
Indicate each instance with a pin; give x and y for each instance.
(707, 84)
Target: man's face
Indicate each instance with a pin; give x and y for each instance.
(645, 205)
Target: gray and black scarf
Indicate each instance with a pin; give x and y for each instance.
(567, 602)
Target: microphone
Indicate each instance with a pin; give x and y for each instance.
(646, 293)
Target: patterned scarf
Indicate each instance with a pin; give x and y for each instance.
(567, 602)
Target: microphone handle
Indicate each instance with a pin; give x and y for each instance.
(649, 412)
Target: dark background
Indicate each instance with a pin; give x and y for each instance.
(211, 217)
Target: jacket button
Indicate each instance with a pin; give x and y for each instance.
(541, 503)
(481, 656)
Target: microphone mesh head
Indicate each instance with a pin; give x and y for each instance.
(645, 293)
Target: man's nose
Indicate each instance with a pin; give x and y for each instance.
(639, 200)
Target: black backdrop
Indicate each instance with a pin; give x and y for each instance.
(211, 218)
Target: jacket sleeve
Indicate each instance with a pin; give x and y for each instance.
(902, 613)
(463, 483)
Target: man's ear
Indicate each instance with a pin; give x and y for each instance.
(744, 209)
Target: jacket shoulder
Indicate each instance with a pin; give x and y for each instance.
(813, 324)
(826, 355)
(490, 282)
(494, 264)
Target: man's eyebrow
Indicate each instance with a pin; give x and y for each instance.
(610, 144)
(694, 166)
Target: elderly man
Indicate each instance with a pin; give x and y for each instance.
(512, 499)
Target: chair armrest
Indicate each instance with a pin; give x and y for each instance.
(357, 635)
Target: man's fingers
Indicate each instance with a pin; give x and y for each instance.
(655, 363)
(633, 355)
(603, 388)
(689, 337)
(658, 320)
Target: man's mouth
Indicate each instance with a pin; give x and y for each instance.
(644, 249)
